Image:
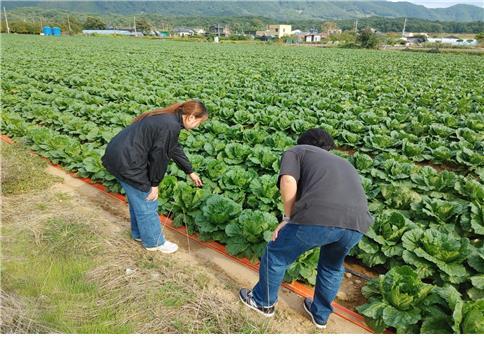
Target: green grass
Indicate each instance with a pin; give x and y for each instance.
(50, 273)
(171, 295)
(54, 274)
(23, 172)
(53, 269)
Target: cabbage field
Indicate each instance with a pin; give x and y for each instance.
(411, 123)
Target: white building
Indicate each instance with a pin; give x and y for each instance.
(280, 30)
(182, 31)
(312, 38)
(110, 32)
(454, 41)
(411, 35)
(199, 31)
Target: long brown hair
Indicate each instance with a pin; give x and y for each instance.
(190, 107)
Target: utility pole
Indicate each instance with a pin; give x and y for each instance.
(69, 25)
(404, 25)
(356, 26)
(6, 20)
(134, 20)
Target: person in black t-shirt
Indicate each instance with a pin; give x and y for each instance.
(138, 157)
(325, 207)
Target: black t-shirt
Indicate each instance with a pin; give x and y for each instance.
(329, 189)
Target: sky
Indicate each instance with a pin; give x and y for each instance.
(445, 3)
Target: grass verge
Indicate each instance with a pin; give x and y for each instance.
(21, 171)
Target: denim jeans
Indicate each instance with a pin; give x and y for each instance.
(292, 241)
(145, 221)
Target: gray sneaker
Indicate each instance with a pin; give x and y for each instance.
(245, 296)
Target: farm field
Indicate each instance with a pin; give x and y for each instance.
(411, 123)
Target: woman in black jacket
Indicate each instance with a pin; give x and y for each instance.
(138, 157)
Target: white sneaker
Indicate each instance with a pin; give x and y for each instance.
(167, 247)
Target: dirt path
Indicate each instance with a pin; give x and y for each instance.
(290, 317)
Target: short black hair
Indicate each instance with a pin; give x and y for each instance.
(317, 137)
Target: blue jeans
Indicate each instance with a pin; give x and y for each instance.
(145, 221)
(292, 241)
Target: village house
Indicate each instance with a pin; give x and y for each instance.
(220, 30)
(275, 31)
(280, 30)
(199, 31)
(312, 38)
(330, 32)
(183, 31)
(264, 33)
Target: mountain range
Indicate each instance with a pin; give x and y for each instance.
(276, 10)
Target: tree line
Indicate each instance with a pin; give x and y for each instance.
(31, 23)
(386, 25)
